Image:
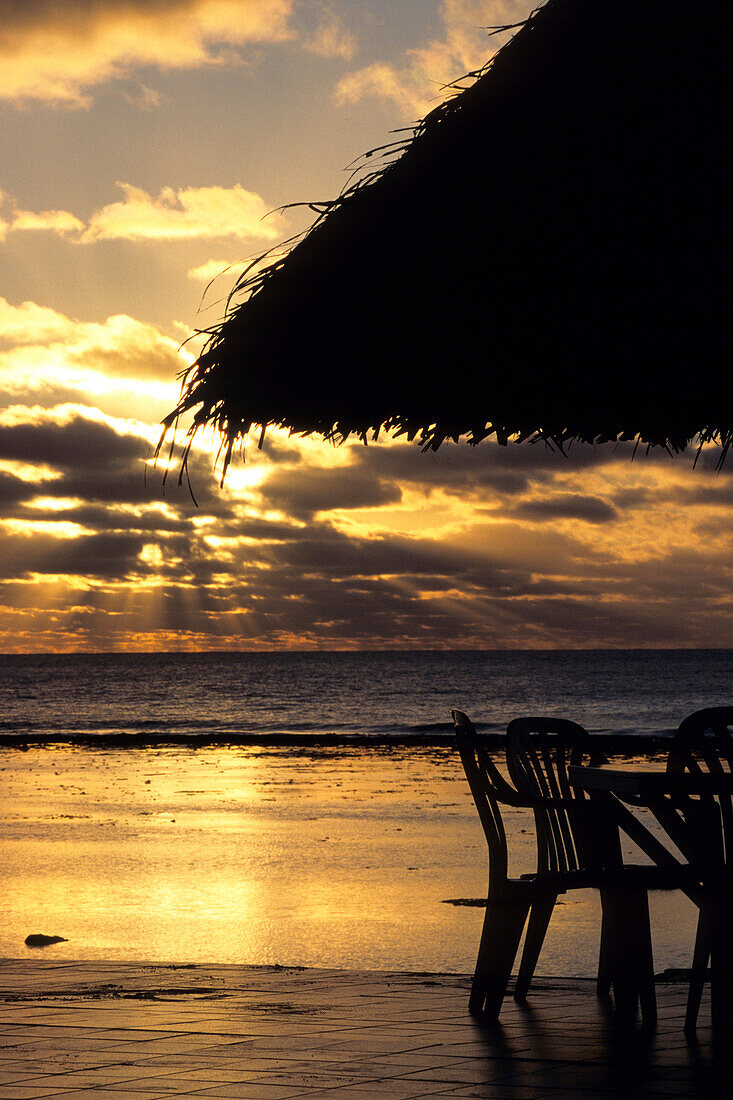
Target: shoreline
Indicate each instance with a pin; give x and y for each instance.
(619, 744)
(43, 960)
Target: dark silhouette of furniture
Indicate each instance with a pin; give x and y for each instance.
(581, 836)
(509, 900)
(701, 824)
(554, 764)
(539, 753)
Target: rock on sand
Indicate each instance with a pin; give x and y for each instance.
(43, 941)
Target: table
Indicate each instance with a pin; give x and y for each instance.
(683, 803)
(687, 807)
(648, 783)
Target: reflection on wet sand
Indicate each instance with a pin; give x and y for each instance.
(332, 857)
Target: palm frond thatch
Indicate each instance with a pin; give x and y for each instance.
(546, 255)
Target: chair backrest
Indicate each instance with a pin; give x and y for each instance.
(539, 751)
(488, 788)
(704, 744)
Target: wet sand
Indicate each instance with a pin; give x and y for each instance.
(333, 857)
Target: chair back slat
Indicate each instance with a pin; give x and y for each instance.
(539, 751)
(538, 771)
(704, 744)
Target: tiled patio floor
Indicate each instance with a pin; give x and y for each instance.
(142, 1031)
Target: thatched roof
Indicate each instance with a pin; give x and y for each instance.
(548, 254)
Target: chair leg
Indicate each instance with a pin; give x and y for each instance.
(699, 970)
(645, 958)
(502, 931)
(539, 919)
(628, 951)
(603, 981)
(721, 967)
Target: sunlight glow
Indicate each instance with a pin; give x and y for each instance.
(26, 471)
(53, 504)
(59, 529)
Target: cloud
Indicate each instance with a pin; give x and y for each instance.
(330, 37)
(304, 493)
(53, 221)
(143, 97)
(68, 441)
(381, 80)
(212, 269)
(14, 491)
(123, 366)
(185, 214)
(464, 47)
(59, 52)
(29, 323)
(478, 471)
(111, 555)
(92, 553)
(568, 506)
(95, 474)
(37, 338)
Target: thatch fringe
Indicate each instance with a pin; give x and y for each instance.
(534, 260)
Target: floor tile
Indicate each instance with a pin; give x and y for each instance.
(81, 1030)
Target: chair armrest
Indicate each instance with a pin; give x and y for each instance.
(506, 794)
(503, 790)
(475, 756)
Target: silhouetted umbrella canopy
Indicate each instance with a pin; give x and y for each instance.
(548, 254)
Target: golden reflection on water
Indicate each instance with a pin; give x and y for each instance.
(333, 858)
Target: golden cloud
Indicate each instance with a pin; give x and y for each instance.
(30, 323)
(55, 221)
(185, 214)
(381, 80)
(212, 269)
(57, 52)
(40, 416)
(118, 364)
(422, 83)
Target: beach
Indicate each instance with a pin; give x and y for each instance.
(345, 857)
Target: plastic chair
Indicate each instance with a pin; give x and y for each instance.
(703, 745)
(539, 752)
(579, 836)
(509, 900)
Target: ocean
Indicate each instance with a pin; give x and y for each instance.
(228, 697)
(298, 809)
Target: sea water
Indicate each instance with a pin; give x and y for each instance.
(349, 852)
(378, 695)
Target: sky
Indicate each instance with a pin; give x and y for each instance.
(149, 146)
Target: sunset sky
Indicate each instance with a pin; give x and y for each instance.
(147, 146)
